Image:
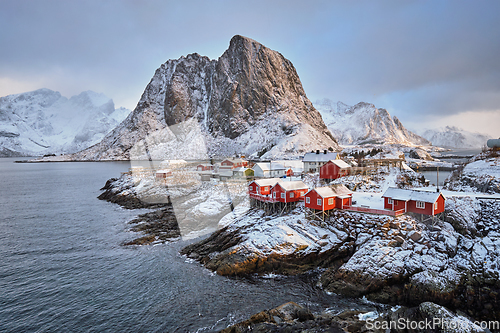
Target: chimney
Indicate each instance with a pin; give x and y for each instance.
(317, 151)
(325, 152)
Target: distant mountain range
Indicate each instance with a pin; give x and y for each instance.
(453, 137)
(44, 122)
(249, 101)
(363, 123)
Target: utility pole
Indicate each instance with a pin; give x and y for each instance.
(437, 181)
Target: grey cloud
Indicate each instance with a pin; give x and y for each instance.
(414, 56)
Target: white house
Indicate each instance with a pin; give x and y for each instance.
(269, 169)
(313, 161)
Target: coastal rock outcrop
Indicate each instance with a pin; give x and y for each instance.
(425, 317)
(389, 260)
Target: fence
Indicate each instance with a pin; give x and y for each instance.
(375, 211)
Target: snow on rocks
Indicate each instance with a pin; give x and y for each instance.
(482, 174)
(197, 205)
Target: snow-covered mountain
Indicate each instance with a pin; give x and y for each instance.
(44, 122)
(363, 123)
(249, 101)
(453, 137)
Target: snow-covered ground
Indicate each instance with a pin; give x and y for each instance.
(283, 235)
(482, 174)
(198, 205)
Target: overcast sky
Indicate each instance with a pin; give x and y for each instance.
(431, 63)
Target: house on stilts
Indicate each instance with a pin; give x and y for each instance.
(414, 201)
(286, 194)
(321, 200)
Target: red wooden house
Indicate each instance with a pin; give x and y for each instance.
(413, 201)
(204, 167)
(260, 189)
(292, 191)
(334, 169)
(233, 163)
(328, 197)
(163, 173)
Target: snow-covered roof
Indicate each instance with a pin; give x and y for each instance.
(205, 164)
(337, 190)
(267, 181)
(293, 185)
(234, 160)
(266, 166)
(325, 192)
(407, 195)
(164, 171)
(340, 190)
(341, 164)
(321, 157)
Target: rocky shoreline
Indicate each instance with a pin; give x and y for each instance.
(452, 262)
(122, 193)
(157, 226)
(399, 261)
(160, 225)
(294, 318)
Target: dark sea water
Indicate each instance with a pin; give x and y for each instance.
(63, 268)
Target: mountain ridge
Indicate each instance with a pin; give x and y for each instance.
(363, 123)
(454, 137)
(43, 121)
(249, 101)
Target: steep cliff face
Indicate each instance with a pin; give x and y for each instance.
(249, 101)
(364, 123)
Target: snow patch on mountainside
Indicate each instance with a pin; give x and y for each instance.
(363, 123)
(44, 122)
(454, 137)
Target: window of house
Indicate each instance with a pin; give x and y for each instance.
(292, 195)
(308, 200)
(389, 201)
(319, 202)
(282, 195)
(330, 201)
(435, 205)
(420, 204)
(274, 194)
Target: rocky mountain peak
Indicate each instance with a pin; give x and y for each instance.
(364, 123)
(44, 122)
(250, 100)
